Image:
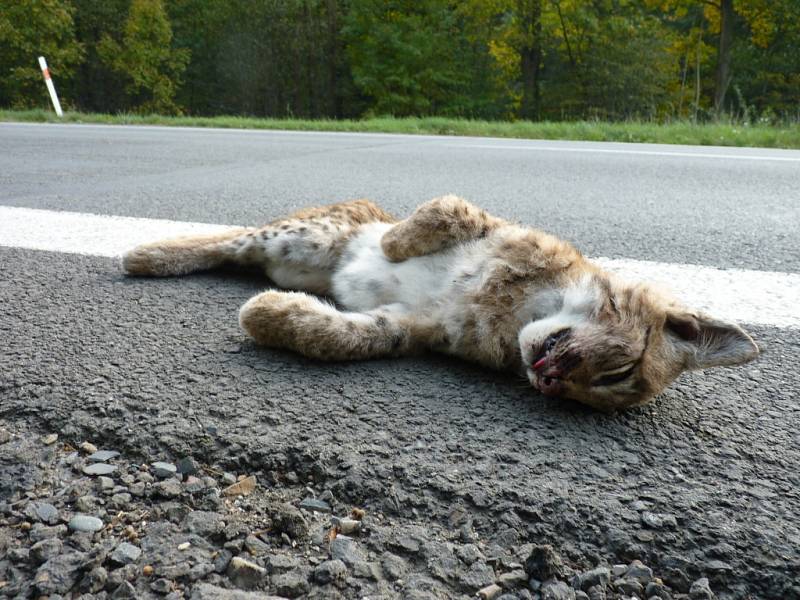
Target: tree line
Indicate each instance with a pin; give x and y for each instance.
(490, 59)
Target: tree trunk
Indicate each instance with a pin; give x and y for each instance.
(723, 76)
(530, 54)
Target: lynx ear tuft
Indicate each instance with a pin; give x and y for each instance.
(710, 342)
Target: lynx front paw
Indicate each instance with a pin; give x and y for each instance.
(397, 245)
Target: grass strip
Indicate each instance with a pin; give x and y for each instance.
(719, 133)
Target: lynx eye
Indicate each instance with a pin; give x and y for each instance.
(615, 376)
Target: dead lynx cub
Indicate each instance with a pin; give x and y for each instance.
(455, 279)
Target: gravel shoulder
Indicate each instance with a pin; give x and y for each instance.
(463, 475)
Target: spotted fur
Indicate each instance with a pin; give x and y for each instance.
(453, 278)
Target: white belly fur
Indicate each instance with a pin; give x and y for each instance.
(365, 279)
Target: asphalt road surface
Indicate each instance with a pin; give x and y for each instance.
(702, 482)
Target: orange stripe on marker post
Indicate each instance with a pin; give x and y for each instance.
(50, 87)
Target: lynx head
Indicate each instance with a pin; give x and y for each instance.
(612, 345)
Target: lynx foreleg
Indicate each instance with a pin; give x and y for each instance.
(436, 225)
(179, 256)
(305, 324)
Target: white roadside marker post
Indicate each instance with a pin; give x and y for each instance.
(50, 87)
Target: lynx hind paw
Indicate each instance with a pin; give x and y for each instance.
(267, 317)
(144, 260)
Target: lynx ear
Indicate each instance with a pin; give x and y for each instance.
(709, 342)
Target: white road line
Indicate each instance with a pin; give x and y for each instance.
(756, 297)
(82, 233)
(535, 148)
(760, 297)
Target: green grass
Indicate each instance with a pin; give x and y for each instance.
(678, 132)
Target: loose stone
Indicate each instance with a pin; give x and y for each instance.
(49, 439)
(99, 469)
(406, 544)
(204, 523)
(393, 566)
(19, 555)
(194, 484)
(618, 570)
(200, 571)
(161, 586)
(367, 570)
(469, 553)
(315, 505)
(479, 575)
(163, 470)
(244, 487)
(102, 455)
(655, 589)
(630, 587)
(42, 511)
(255, 546)
(42, 532)
(658, 521)
(46, 549)
(105, 484)
(124, 590)
(169, 488)
(330, 571)
(513, 579)
(188, 466)
(120, 501)
(125, 554)
(556, 590)
(88, 448)
(599, 576)
(291, 584)
(86, 503)
(95, 580)
(489, 592)
(543, 563)
(222, 561)
(288, 520)
(700, 590)
(60, 573)
(639, 572)
(85, 523)
(282, 562)
(345, 549)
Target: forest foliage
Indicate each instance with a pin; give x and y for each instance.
(479, 59)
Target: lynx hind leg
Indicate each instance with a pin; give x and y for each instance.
(305, 324)
(436, 225)
(297, 252)
(179, 256)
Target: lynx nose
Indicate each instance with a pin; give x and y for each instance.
(552, 339)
